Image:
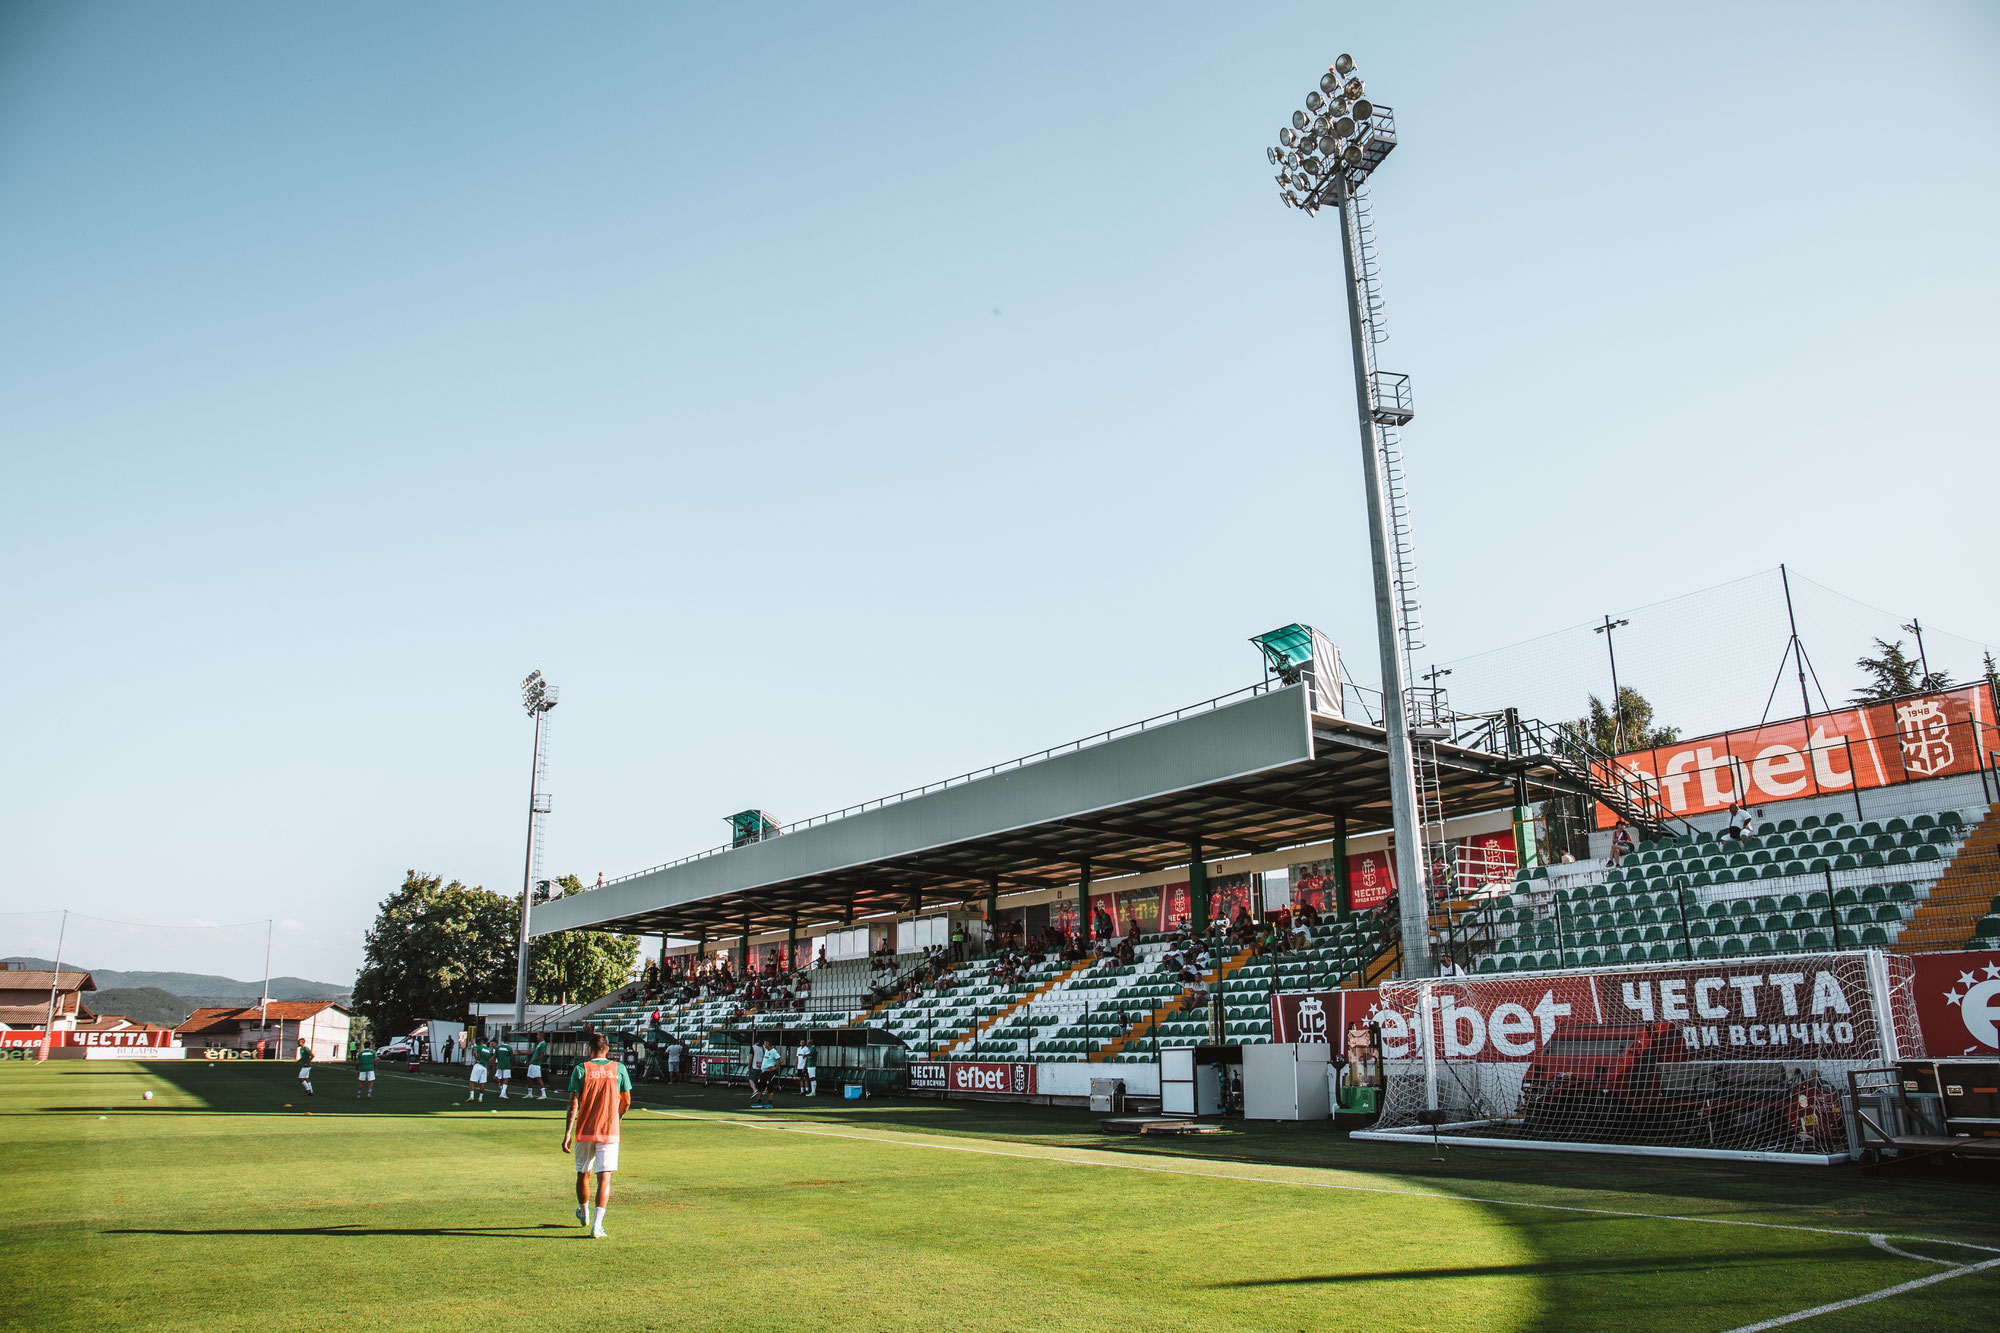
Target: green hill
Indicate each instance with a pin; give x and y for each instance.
(205, 988)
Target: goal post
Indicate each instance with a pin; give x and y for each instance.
(1743, 1059)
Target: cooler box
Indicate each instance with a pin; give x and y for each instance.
(852, 1092)
(1108, 1095)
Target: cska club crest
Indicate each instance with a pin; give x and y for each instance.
(1312, 1023)
(1926, 736)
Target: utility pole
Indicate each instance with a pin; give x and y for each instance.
(1617, 702)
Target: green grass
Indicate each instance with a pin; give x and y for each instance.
(217, 1207)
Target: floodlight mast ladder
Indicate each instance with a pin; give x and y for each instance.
(538, 697)
(1324, 158)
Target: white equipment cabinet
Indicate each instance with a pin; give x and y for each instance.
(1285, 1082)
(1187, 1088)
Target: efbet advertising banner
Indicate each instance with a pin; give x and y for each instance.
(1814, 1008)
(972, 1076)
(1876, 745)
(1958, 1002)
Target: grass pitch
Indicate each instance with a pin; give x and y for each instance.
(217, 1206)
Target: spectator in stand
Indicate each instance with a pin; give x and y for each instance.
(1447, 968)
(821, 960)
(1621, 843)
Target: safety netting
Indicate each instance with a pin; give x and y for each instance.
(1744, 1059)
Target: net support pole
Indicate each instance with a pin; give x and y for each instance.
(1427, 1012)
(1885, 1024)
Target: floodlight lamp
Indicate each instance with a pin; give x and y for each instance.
(1328, 144)
(1352, 156)
(1271, 156)
(1329, 83)
(1363, 108)
(1353, 88)
(1299, 120)
(1287, 138)
(1343, 128)
(1299, 182)
(1314, 101)
(1310, 165)
(1343, 64)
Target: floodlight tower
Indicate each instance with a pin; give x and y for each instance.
(538, 697)
(1324, 159)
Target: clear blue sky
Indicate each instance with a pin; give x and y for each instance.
(835, 398)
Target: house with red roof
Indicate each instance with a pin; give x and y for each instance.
(276, 1028)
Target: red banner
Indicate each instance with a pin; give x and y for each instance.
(1877, 745)
(1817, 1008)
(1958, 1002)
(972, 1076)
(1486, 859)
(1175, 906)
(1319, 1017)
(1371, 878)
(135, 1038)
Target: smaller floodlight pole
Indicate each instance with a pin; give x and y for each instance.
(1617, 702)
(538, 697)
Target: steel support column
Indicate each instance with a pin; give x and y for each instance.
(1197, 888)
(1411, 881)
(1083, 931)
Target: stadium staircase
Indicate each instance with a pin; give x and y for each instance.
(1150, 1024)
(577, 1013)
(1954, 914)
(1561, 748)
(1002, 1017)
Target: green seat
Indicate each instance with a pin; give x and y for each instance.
(1845, 897)
(1923, 821)
(1708, 949)
(1897, 824)
(1733, 946)
(1846, 862)
(1874, 893)
(1927, 853)
(1787, 943)
(1874, 936)
(1888, 912)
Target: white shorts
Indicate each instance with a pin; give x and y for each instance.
(505, 1073)
(305, 1071)
(594, 1157)
(534, 1071)
(479, 1073)
(366, 1075)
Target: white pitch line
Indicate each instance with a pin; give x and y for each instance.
(1886, 1292)
(1318, 1184)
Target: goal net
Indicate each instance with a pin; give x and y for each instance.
(1744, 1059)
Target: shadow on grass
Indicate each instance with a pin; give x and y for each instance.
(1550, 1268)
(536, 1232)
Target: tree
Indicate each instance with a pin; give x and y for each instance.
(1631, 728)
(1892, 674)
(435, 949)
(573, 966)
